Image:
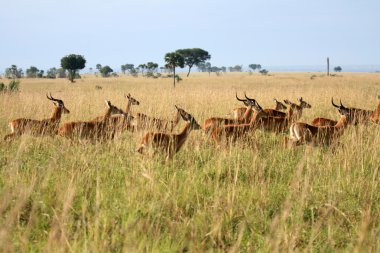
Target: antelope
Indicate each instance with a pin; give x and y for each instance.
(38, 127)
(302, 133)
(358, 116)
(167, 142)
(142, 121)
(234, 131)
(239, 112)
(375, 117)
(212, 123)
(281, 124)
(122, 122)
(93, 130)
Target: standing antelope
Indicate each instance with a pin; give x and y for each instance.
(375, 117)
(237, 131)
(212, 123)
(358, 116)
(142, 121)
(281, 124)
(93, 130)
(169, 143)
(38, 127)
(122, 122)
(302, 133)
(239, 112)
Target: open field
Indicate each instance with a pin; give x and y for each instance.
(254, 196)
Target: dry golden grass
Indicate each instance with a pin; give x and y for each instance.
(59, 196)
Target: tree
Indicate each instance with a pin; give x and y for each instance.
(236, 68)
(98, 66)
(142, 67)
(51, 73)
(254, 66)
(174, 60)
(151, 67)
(72, 63)
(32, 72)
(193, 56)
(40, 74)
(338, 69)
(105, 71)
(264, 72)
(13, 72)
(61, 73)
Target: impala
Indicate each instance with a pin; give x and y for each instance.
(237, 131)
(281, 124)
(166, 142)
(212, 123)
(93, 130)
(358, 116)
(38, 127)
(302, 133)
(239, 112)
(142, 121)
(122, 122)
(375, 117)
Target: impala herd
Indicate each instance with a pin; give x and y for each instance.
(244, 121)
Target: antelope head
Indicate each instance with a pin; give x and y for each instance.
(131, 100)
(58, 103)
(279, 106)
(303, 104)
(245, 101)
(189, 118)
(342, 109)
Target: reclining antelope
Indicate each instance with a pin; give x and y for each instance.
(238, 113)
(214, 122)
(302, 133)
(233, 132)
(358, 116)
(38, 127)
(167, 142)
(93, 130)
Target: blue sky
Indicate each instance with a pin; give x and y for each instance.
(115, 32)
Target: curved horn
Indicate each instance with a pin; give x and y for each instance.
(342, 106)
(248, 97)
(239, 98)
(332, 102)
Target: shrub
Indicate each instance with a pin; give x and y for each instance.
(13, 85)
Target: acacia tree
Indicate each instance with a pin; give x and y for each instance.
(105, 71)
(194, 56)
(72, 63)
(174, 60)
(32, 72)
(338, 69)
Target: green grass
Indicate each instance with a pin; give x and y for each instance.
(254, 196)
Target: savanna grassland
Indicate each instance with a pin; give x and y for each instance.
(58, 196)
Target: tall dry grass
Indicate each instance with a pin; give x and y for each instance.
(56, 196)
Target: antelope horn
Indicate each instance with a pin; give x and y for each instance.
(332, 102)
(299, 99)
(252, 99)
(239, 98)
(341, 104)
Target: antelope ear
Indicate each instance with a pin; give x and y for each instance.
(378, 97)
(108, 103)
(274, 100)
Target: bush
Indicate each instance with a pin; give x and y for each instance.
(13, 85)
(3, 87)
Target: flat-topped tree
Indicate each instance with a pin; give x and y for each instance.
(174, 60)
(72, 63)
(194, 56)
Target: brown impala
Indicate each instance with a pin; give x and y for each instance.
(358, 116)
(92, 130)
(166, 142)
(237, 131)
(38, 127)
(239, 112)
(214, 122)
(302, 133)
(122, 122)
